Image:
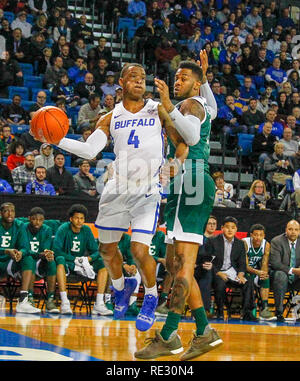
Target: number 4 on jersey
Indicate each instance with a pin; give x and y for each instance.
(133, 139)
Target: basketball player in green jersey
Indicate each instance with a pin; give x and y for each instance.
(258, 250)
(187, 210)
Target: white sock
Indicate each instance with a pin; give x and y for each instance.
(100, 299)
(118, 284)
(107, 298)
(132, 300)
(63, 297)
(151, 291)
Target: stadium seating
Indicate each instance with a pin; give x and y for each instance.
(27, 68)
(16, 90)
(131, 32)
(27, 104)
(5, 101)
(245, 143)
(10, 16)
(19, 129)
(124, 23)
(35, 91)
(33, 82)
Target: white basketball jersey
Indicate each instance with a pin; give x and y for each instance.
(138, 143)
(249, 244)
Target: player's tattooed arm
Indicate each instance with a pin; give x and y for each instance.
(104, 123)
(192, 107)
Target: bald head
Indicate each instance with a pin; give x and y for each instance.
(292, 230)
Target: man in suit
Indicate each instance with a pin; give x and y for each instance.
(228, 256)
(285, 264)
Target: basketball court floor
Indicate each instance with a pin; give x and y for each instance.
(87, 338)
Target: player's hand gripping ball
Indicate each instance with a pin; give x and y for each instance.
(49, 125)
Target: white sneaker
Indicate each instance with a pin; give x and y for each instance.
(26, 307)
(101, 309)
(65, 309)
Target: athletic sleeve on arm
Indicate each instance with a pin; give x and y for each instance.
(188, 126)
(87, 150)
(207, 93)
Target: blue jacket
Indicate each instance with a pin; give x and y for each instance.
(76, 75)
(137, 7)
(226, 113)
(5, 187)
(46, 188)
(277, 129)
(245, 94)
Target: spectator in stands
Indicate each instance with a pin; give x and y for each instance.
(109, 87)
(57, 46)
(62, 29)
(202, 274)
(177, 18)
(253, 118)
(290, 145)
(5, 30)
(295, 66)
(20, 22)
(275, 75)
(14, 113)
(80, 50)
(16, 156)
(102, 51)
(45, 62)
(85, 182)
(68, 61)
(229, 268)
(231, 118)
(30, 143)
(154, 11)
(294, 80)
(257, 259)
(195, 42)
(64, 90)
(274, 43)
(37, 45)
(284, 265)
(277, 128)
(40, 102)
(46, 156)
(86, 88)
(224, 191)
(89, 113)
(278, 167)
(5, 187)
(109, 103)
(5, 173)
(248, 90)
(77, 72)
(100, 71)
(40, 26)
(164, 53)
(268, 20)
(257, 197)
(228, 79)
(246, 64)
(252, 19)
(38, 7)
(18, 47)
(216, 89)
(24, 173)
(119, 95)
(53, 75)
(263, 104)
(10, 74)
(39, 185)
(263, 143)
(13, 247)
(137, 9)
(59, 177)
(286, 21)
(229, 55)
(76, 250)
(6, 139)
(81, 30)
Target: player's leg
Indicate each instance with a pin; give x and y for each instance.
(27, 267)
(48, 269)
(265, 313)
(102, 278)
(133, 309)
(65, 308)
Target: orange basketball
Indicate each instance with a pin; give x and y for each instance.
(49, 124)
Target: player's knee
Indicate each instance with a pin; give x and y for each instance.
(139, 251)
(60, 260)
(108, 251)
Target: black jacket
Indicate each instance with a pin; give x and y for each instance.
(215, 246)
(63, 183)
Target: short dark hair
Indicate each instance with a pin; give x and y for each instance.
(13, 146)
(36, 210)
(6, 204)
(230, 219)
(92, 97)
(77, 208)
(257, 227)
(127, 66)
(212, 217)
(58, 153)
(40, 166)
(196, 69)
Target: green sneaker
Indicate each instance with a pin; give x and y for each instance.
(162, 309)
(51, 307)
(159, 347)
(265, 313)
(202, 344)
(133, 310)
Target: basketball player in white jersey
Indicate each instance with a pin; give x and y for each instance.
(132, 196)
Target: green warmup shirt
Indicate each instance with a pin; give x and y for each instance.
(13, 238)
(40, 241)
(157, 248)
(70, 245)
(124, 247)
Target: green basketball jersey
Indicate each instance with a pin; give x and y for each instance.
(201, 150)
(255, 255)
(124, 247)
(40, 241)
(12, 238)
(157, 248)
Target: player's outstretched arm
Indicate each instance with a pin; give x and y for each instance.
(94, 143)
